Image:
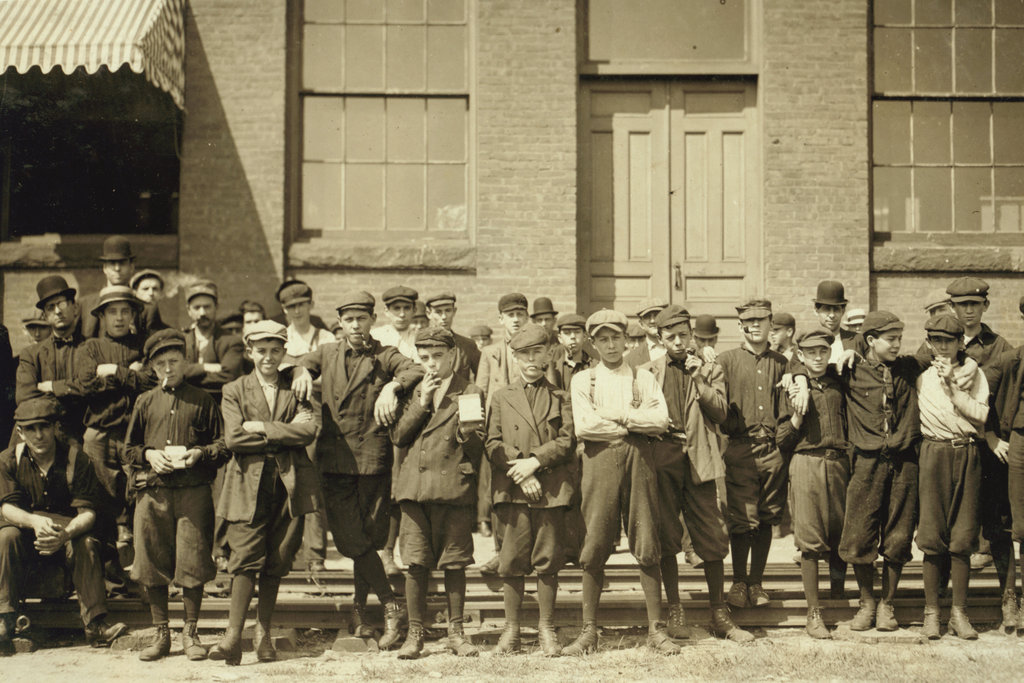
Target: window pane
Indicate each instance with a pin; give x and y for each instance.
(364, 197)
(892, 60)
(891, 132)
(892, 200)
(364, 57)
(446, 10)
(446, 136)
(407, 58)
(323, 118)
(1010, 199)
(446, 57)
(934, 12)
(1009, 52)
(324, 10)
(405, 129)
(1010, 11)
(1008, 132)
(933, 193)
(933, 65)
(971, 143)
(892, 12)
(323, 61)
(931, 133)
(366, 10)
(974, 13)
(972, 199)
(406, 11)
(364, 128)
(446, 197)
(406, 185)
(321, 195)
(974, 60)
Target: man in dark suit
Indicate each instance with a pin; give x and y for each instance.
(651, 347)
(212, 356)
(361, 383)
(48, 368)
(119, 267)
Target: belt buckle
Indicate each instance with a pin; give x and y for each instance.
(962, 442)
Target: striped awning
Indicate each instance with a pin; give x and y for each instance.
(147, 35)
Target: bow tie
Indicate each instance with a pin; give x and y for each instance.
(63, 341)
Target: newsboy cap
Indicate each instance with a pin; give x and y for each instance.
(944, 325)
(39, 409)
(784, 320)
(146, 274)
(163, 340)
(358, 299)
(607, 318)
(440, 298)
(398, 294)
(673, 314)
(755, 308)
(650, 306)
(201, 288)
(880, 321)
(294, 293)
(529, 335)
(816, 337)
(967, 289)
(480, 331)
(570, 320)
(266, 329)
(435, 336)
(112, 293)
(512, 302)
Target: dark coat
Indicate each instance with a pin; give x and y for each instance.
(350, 441)
(545, 431)
(467, 357)
(224, 348)
(38, 363)
(285, 440)
(1005, 375)
(641, 355)
(442, 460)
(560, 373)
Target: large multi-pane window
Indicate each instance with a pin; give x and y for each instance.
(948, 116)
(385, 100)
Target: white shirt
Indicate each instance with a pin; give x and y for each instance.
(655, 349)
(837, 348)
(269, 392)
(613, 389)
(441, 391)
(404, 341)
(948, 413)
(202, 341)
(299, 345)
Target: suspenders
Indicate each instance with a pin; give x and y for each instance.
(636, 389)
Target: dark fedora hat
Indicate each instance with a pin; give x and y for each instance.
(117, 248)
(51, 286)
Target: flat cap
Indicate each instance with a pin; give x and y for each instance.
(944, 325)
(480, 331)
(705, 326)
(294, 293)
(163, 340)
(112, 293)
(831, 293)
(512, 302)
(440, 298)
(232, 321)
(633, 329)
(607, 318)
(435, 336)
(855, 316)
(543, 306)
(359, 299)
(266, 329)
(39, 409)
(400, 293)
(419, 310)
(816, 337)
(755, 308)
(880, 321)
(203, 287)
(529, 335)
(570, 320)
(33, 321)
(650, 306)
(144, 275)
(673, 314)
(967, 289)
(935, 298)
(784, 320)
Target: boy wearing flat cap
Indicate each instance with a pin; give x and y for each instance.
(953, 415)
(175, 447)
(481, 336)
(37, 328)
(651, 348)
(571, 356)
(48, 497)
(783, 334)
(688, 459)
(755, 474)
(148, 286)
(436, 487)
(212, 356)
(441, 311)
(829, 305)
(815, 443)
(399, 304)
(270, 484)
(361, 383)
(530, 444)
(617, 411)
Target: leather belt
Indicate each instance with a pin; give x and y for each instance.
(959, 442)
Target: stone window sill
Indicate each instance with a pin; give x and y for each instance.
(52, 251)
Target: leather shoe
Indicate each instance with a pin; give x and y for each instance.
(980, 560)
(101, 634)
(659, 641)
(229, 649)
(1010, 611)
(458, 644)
(160, 647)
(265, 651)
(676, 624)
(930, 629)
(490, 567)
(885, 617)
(387, 558)
(757, 595)
(547, 639)
(413, 645)
(723, 626)
(864, 619)
(816, 625)
(509, 642)
(738, 596)
(960, 625)
(584, 644)
(393, 614)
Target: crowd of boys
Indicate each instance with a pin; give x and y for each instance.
(243, 438)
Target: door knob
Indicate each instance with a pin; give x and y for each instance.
(678, 273)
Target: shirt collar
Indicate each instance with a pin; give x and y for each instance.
(263, 383)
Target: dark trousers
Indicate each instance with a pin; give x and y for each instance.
(357, 511)
(21, 567)
(534, 539)
(817, 496)
(106, 452)
(756, 481)
(881, 508)
(690, 513)
(949, 490)
(174, 536)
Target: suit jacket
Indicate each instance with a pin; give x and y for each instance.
(560, 373)
(494, 370)
(285, 441)
(705, 405)
(545, 431)
(38, 363)
(467, 357)
(441, 460)
(147, 322)
(1005, 375)
(224, 348)
(351, 442)
(639, 356)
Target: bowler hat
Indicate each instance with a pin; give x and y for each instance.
(543, 306)
(705, 326)
(831, 293)
(112, 293)
(39, 409)
(529, 335)
(116, 248)
(51, 286)
(162, 340)
(435, 336)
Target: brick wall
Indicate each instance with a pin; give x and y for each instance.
(814, 92)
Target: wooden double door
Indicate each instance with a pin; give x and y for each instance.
(669, 196)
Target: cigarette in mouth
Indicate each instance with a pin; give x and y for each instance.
(163, 385)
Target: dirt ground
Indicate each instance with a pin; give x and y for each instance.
(780, 654)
